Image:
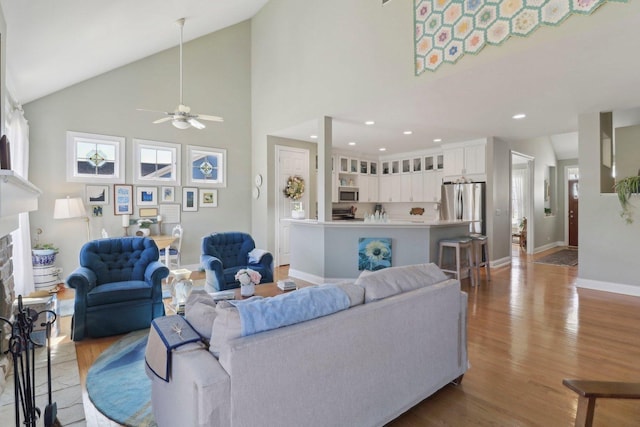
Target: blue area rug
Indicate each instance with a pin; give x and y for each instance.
(117, 383)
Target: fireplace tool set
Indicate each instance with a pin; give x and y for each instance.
(22, 348)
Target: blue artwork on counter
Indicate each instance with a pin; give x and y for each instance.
(374, 253)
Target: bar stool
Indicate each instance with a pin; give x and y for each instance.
(480, 245)
(458, 243)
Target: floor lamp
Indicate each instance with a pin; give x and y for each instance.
(71, 208)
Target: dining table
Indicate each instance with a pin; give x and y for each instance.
(163, 241)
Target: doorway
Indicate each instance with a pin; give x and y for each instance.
(573, 193)
(521, 202)
(289, 161)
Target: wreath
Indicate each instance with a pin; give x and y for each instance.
(295, 188)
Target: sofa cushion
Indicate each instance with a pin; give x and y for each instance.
(395, 280)
(226, 327)
(110, 293)
(200, 312)
(259, 314)
(354, 292)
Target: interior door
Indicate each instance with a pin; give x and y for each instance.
(573, 211)
(290, 162)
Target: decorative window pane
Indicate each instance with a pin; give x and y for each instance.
(156, 162)
(95, 158)
(207, 166)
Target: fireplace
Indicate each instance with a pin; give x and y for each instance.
(17, 195)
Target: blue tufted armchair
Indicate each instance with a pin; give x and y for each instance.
(223, 254)
(118, 287)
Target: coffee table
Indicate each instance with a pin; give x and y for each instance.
(264, 290)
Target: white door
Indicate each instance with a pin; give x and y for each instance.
(290, 162)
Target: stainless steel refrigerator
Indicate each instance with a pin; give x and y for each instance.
(465, 202)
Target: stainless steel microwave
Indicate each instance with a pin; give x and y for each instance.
(347, 194)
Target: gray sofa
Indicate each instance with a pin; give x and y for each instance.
(363, 366)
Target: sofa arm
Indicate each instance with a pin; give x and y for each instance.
(214, 272)
(155, 272)
(83, 280)
(198, 393)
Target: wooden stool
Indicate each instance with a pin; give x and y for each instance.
(480, 250)
(458, 243)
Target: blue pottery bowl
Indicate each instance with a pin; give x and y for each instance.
(43, 260)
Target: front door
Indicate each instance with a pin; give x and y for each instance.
(573, 211)
(290, 162)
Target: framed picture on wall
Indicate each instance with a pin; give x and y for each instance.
(147, 196)
(122, 199)
(190, 199)
(97, 194)
(208, 198)
(167, 195)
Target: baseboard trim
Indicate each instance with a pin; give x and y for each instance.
(311, 278)
(547, 247)
(502, 262)
(617, 288)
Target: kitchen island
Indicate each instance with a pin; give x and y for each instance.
(322, 252)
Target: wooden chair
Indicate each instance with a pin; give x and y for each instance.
(588, 391)
(523, 234)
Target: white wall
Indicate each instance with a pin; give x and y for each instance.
(216, 81)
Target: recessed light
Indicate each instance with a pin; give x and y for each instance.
(519, 116)
(351, 143)
(407, 132)
(313, 136)
(382, 149)
(437, 140)
(369, 122)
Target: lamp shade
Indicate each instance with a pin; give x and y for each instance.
(69, 208)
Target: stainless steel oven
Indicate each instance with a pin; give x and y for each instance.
(347, 194)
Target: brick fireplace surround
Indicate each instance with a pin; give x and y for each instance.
(7, 296)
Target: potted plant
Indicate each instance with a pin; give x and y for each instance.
(43, 254)
(625, 188)
(144, 227)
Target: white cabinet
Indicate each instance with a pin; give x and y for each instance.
(334, 187)
(385, 188)
(464, 160)
(368, 189)
(390, 188)
(432, 183)
(411, 187)
(474, 159)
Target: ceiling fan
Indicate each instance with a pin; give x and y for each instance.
(182, 117)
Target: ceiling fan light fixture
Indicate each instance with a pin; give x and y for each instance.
(180, 124)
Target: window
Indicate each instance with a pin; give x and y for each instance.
(207, 166)
(156, 162)
(95, 158)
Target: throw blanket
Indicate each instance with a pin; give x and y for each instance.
(263, 314)
(166, 334)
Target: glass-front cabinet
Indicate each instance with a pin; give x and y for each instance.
(364, 167)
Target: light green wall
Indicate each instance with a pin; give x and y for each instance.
(216, 81)
(608, 246)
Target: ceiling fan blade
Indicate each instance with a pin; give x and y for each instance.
(196, 124)
(162, 120)
(210, 118)
(152, 111)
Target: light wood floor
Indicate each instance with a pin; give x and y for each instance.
(528, 329)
